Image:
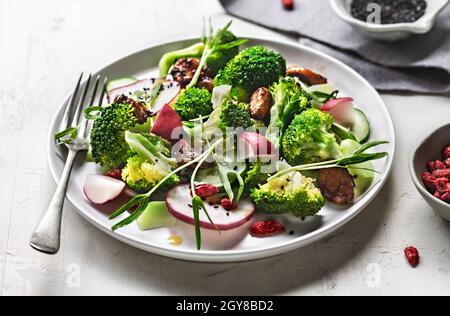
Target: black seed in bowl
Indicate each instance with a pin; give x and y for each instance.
(392, 11)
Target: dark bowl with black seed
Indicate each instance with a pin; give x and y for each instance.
(389, 20)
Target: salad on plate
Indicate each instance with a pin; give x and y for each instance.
(224, 133)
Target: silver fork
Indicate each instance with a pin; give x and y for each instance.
(47, 236)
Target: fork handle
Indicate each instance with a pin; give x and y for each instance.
(46, 238)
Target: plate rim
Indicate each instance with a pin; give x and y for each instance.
(222, 256)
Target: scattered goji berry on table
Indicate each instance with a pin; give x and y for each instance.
(206, 190)
(412, 255)
(288, 4)
(266, 229)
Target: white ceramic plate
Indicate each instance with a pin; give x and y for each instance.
(236, 245)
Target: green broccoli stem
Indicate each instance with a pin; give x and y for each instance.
(143, 147)
(143, 199)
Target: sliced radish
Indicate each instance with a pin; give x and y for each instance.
(166, 123)
(168, 93)
(341, 109)
(117, 83)
(179, 205)
(102, 189)
(252, 145)
(142, 91)
(130, 89)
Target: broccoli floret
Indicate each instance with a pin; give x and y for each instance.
(253, 68)
(150, 164)
(192, 103)
(289, 99)
(309, 139)
(142, 176)
(291, 193)
(235, 114)
(109, 147)
(152, 148)
(219, 59)
(255, 176)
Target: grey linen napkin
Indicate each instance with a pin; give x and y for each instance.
(419, 64)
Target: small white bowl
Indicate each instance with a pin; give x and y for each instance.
(391, 32)
(430, 149)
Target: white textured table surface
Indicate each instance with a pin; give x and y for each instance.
(43, 47)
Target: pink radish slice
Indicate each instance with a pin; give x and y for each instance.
(141, 85)
(102, 189)
(252, 144)
(167, 122)
(179, 202)
(168, 92)
(341, 109)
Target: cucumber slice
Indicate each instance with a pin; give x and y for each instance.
(156, 215)
(121, 82)
(361, 127)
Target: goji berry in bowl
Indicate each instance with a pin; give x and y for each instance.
(430, 170)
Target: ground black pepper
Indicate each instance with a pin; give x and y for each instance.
(392, 11)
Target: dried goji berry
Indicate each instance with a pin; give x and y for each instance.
(206, 190)
(266, 229)
(447, 162)
(412, 255)
(439, 165)
(228, 205)
(431, 166)
(288, 4)
(429, 181)
(441, 185)
(442, 173)
(446, 197)
(446, 152)
(437, 195)
(115, 173)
